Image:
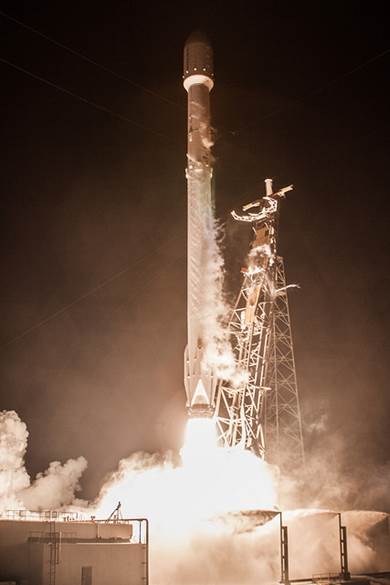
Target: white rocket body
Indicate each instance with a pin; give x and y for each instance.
(200, 381)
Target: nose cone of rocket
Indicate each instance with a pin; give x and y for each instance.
(198, 56)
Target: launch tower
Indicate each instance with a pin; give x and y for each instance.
(260, 411)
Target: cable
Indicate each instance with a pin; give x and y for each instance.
(163, 98)
(83, 99)
(66, 307)
(89, 60)
(347, 73)
(85, 295)
(314, 92)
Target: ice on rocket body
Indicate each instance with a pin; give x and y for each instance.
(200, 381)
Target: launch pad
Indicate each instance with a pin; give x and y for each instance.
(49, 548)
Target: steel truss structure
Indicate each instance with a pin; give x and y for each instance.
(259, 408)
(282, 416)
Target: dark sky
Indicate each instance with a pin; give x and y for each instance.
(301, 95)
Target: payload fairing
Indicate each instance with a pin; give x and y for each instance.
(199, 378)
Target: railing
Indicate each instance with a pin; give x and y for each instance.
(139, 524)
(43, 516)
(325, 578)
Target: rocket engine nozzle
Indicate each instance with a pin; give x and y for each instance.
(200, 411)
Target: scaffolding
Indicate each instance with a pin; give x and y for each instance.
(259, 408)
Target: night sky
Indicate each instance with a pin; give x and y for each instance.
(93, 208)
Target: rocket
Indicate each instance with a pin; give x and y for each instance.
(198, 80)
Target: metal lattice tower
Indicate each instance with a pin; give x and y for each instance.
(259, 410)
(282, 416)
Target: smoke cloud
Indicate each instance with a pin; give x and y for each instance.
(55, 487)
(332, 477)
(13, 475)
(52, 489)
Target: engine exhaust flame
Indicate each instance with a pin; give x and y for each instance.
(209, 481)
(200, 443)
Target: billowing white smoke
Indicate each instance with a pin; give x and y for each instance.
(218, 353)
(52, 489)
(332, 477)
(13, 475)
(55, 487)
(256, 256)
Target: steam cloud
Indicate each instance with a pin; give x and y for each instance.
(333, 477)
(52, 489)
(13, 475)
